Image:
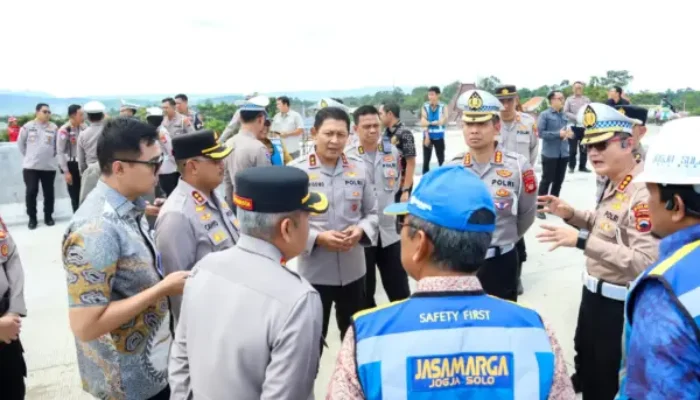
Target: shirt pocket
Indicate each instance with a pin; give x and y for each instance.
(219, 238)
(353, 200)
(522, 141)
(49, 138)
(389, 172)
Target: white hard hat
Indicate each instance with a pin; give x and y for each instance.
(673, 156)
(153, 111)
(94, 107)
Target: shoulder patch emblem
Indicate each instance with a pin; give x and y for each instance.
(641, 210)
(643, 225)
(529, 181)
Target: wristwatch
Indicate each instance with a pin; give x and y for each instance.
(582, 239)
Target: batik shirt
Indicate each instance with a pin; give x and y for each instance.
(109, 255)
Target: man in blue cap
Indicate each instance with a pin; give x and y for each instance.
(449, 340)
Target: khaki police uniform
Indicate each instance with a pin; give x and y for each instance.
(37, 143)
(250, 328)
(179, 125)
(384, 174)
(13, 370)
(67, 154)
(191, 223)
(87, 145)
(617, 242)
(339, 276)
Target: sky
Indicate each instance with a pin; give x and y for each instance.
(72, 48)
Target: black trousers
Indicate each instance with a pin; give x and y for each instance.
(32, 177)
(348, 300)
(439, 145)
(74, 189)
(394, 277)
(168, 182)
(553, 173)
(522, 255)
(499, 275)
(163, 394)
(575, 145)
(598, 345)
(13, 370)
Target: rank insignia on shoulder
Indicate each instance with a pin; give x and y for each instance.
(625, 182)
(467, 160)
(498, 158)
(361, 150)
(4, 250)
(504, 173)
(312, 160)
(3, 235)
(198, 198)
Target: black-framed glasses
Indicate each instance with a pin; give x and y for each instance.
(155, 163)
(401, 222)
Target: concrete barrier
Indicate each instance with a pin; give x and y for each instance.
(12, 208)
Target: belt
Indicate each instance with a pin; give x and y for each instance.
(496, 251)
(605, 289)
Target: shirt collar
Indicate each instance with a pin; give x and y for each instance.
(121, 205)
(555, 111)
(449, 283)
(260, 247)
(675, 241)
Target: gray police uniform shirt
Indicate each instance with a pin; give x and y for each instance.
(67, 144)
(12, 276)
(233, 126)
(264, 320)
(518, 136)
(191, 225)
(87, 145)
(37, 143)
(166, 145)
(179, 125)
(513, 185)
(384, 173)
(351, 202)
(247, 151)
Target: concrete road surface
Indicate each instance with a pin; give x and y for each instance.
(551, 280)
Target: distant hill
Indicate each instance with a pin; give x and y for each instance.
(16, 103)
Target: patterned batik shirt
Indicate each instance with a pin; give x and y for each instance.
(109, 255)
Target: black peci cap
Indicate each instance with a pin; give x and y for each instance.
(199, 144)
(634, 112)
(276, 189)
(505, 92)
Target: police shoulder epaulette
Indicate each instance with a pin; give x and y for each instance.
(624, 183)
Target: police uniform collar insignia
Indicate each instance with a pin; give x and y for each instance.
(3, 235)
(498, 157)
(4, 250)
(625, 182)
(475, 102)
(360, 149)
(467, 160)
(381, 147)
(198, 198)
(589, 117)
(312, 160)
(345, 160)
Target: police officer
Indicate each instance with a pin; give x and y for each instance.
(247, 149)
(37, 143)
(273, 351)
(87, 141)
(639, 114)
(194, 222)
(333, 260)
(235, 124)
(616, 240)
(518, 135)
(513, 186)
(381, 161)
(13, 370)
(167, 174)
(662, 355)
(67, 151)
(128, 110)
(449, 340)
(182, 107)
(175, 123)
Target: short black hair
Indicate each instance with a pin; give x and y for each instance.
(95, 117)
(155, 120)
(284, 100)
(73, 109)
(579, 83)
(392, 108)
(40, 105)
(553, 93)
(690, 197)
(182, 97)
(617, 89)
(434, 89)
(362, 111)
(248, 116)
(169, 100)
(122, 138)
(335, 113)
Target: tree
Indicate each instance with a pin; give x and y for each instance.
(620, 78)
(488, 84)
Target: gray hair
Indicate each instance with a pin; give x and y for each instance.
(260, 225)
(454, 250)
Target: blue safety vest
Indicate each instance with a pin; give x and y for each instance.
(453, 346)
(277, 156)
(680, 275)
(435, 131)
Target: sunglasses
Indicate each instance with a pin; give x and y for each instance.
(602, 146)
(155, 163)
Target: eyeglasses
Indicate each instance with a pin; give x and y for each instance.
(602, 146)
(401, 222)
(154, 163)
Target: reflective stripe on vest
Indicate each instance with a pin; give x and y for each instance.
(435, 131)
(453, 347)
(277, 156)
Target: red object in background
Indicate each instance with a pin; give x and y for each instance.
(13, 133)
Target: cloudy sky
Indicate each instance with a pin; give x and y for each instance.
(107, 47)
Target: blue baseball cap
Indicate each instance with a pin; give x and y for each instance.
(447, 197)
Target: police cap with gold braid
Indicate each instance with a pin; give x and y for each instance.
(478, 106)
(601, 122)
(635, 112)
(276, 189)
(505, 92)
(199, 144)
